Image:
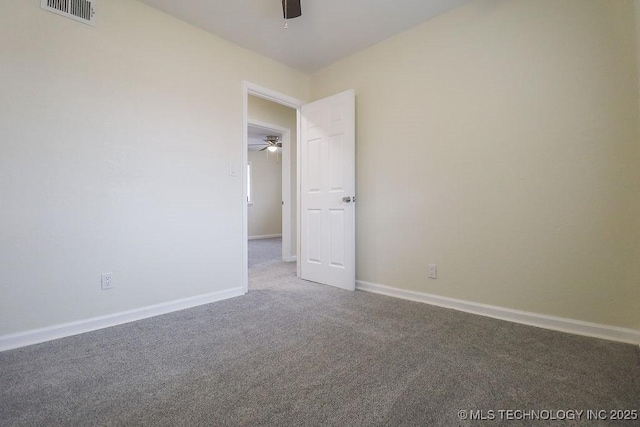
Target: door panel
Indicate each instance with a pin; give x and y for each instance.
(327, 144)
(336, 256)
(314, 236)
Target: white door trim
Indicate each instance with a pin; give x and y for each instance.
(249, 88)
(287, 255)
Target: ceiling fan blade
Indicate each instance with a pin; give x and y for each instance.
(252, 145)
(264, 148)
(291, 9)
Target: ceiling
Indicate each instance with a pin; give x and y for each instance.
(328, 30)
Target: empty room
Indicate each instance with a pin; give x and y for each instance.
(319, 212)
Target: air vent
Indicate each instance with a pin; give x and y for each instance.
(79, 10)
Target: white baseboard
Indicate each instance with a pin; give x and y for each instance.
(291, 258)
(578, 327)
(266, 236)
(35, 336)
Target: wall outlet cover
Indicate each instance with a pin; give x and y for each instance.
(433, 271)
(106, 281)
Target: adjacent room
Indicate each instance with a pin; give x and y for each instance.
(271, 182)
(318, 212)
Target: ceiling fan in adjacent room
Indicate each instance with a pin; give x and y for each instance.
(271, 142)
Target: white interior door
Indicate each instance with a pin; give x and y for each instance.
(327, 187)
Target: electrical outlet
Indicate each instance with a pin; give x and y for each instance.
(433, 271)
(106, 281)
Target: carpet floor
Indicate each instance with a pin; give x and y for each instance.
(264, 251)
(293, 353)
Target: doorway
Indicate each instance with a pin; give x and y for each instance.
(270, 214)
(325, 186)
(268, 189)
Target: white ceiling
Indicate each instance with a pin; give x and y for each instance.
(327, 31)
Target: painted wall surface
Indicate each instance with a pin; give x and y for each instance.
(115, 145)
(637, 256)
(500, 141)
(637, 10)
(265, 212)
(270, 112)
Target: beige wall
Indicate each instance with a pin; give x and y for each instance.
(637, 10)
(265, 212)
(270, 112)
(501, 142)
(636, 275)
(115, 145)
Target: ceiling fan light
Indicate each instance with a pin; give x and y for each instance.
(272, 148)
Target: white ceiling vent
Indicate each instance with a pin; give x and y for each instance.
(80, 10)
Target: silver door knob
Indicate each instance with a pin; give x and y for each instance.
(346, 199)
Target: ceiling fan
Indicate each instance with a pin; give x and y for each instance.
(291, 9)
(272, 143)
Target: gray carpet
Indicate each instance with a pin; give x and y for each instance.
(292, 353)
(265, 251)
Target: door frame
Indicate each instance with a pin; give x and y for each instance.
(286, 223)
(249, 88)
